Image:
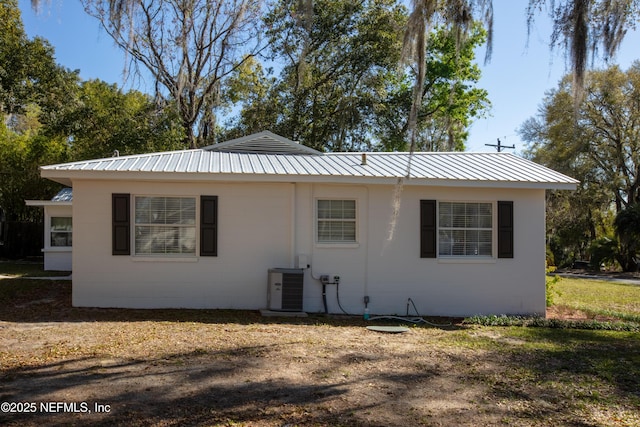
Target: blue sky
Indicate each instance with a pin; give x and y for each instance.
(516, 78)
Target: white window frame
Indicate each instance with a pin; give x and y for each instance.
(52, 231)
(189, 227)
(491, 230)
(318, 220)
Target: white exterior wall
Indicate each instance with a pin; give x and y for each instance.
(254, 234)
(390, 271)
(262, 226)
(55, 258)
(459, 287)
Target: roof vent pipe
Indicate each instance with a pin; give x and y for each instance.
(364, 159)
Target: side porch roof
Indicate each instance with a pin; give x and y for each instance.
(63, 198)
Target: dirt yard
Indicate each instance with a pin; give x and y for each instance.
(66, 366)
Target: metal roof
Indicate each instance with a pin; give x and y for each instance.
(264, 142)
(426, 168)
(64, 197)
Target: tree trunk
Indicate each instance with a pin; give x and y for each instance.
(189, 137)
(627, 260)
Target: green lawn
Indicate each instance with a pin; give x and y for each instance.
(591, 368)
(595, 297)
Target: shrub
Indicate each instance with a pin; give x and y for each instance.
(550, 282)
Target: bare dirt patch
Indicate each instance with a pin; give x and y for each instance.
(161, 372)
(187, 367)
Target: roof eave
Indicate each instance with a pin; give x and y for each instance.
(42, 203)
(64, 180)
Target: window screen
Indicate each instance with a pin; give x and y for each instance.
(336, 221)
(165, 225)
(61, 231)
(465, 229)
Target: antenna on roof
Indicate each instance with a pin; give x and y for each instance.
(499, 146)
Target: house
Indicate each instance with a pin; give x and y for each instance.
(58, 233)
(258, 221)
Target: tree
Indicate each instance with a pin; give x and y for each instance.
(253, 91)
(103, 120)
(336, 67)
(627, 225)
(20, 158)
(190, 48)
(449, 99)
(601, 136)
(28, 71)
(582, 27)
(456, 15)
(31, 85)
(13, 49)
(579, 26)
(574, 219)
(341, 89)
(50, 116)
(597, 141)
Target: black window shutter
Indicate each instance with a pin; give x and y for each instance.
(121, 224)
(428, 228)
(505, 229)
(208, 225)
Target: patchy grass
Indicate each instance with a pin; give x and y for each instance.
(539, 322)
(600, 298)
(581, 304)
(223, 368)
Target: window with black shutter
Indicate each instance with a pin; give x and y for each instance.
(428, 228)
(209, 226)
(464, 229)
(505, 229)
(121, 224)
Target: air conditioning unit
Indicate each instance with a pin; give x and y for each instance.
(285, 289)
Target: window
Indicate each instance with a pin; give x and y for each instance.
(165, 225)
(61, 231)
(465, 229)
(336, 221)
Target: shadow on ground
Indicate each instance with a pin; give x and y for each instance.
(24, 300)
(258, 385)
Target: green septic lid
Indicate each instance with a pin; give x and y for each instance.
(389, 329)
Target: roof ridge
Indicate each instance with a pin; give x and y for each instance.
(264, 142)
